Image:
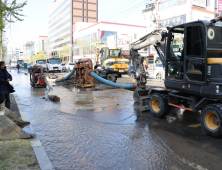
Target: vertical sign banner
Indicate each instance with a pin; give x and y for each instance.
(219, 6)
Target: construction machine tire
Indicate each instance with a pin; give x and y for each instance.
(111, 78)
(211, 120)
(96, 71)
(158, 103)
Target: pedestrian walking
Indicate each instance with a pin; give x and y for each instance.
(146, 66)
(18, 66)
(5, 77)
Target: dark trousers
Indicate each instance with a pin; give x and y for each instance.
(6, 98)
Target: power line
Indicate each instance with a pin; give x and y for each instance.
(115, 10)
(128, 15)
(118, 14)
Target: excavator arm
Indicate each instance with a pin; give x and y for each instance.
(157, 38)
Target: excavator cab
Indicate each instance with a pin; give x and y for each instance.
(186, 57)
(107, 53)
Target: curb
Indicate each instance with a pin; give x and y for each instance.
(39, 151)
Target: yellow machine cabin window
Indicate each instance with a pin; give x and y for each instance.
(115, 53)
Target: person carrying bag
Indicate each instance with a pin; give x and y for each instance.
(5, 87)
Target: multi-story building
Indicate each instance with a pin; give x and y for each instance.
(43, 44)
(87, 36)
(62, 18)
(29, 49)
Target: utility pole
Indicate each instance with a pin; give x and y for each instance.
(71, 29)
(83, 10)
(86, 10)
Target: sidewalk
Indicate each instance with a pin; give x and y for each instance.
(17, 154)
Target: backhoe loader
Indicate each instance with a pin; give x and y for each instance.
(113, 64)
(193, 80)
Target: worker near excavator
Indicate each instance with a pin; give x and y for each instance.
(5, 78)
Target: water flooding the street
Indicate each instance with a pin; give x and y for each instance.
(106, 130)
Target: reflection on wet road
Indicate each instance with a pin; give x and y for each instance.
(105, 130)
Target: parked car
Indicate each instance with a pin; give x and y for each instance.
(63, 66)
(42, 62)
(69, 66)
(159, 71)
(29, 65)
(131, 72)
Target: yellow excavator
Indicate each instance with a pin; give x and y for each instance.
(113, 64)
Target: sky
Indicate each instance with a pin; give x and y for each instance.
(36, 18)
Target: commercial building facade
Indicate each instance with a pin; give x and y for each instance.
(29, 49)
(162, 14)
(43, 44)
(86, 38)
(62, 18)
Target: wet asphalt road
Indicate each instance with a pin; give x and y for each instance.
(106, 130)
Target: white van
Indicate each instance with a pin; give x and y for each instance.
(54, 64)
(42, 62)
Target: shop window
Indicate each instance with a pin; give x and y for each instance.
(207, 2)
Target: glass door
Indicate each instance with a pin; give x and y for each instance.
(195, 62)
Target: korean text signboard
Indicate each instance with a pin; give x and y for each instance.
(219, 6)
(200, 3)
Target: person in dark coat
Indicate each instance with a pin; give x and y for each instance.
(18, 67)
(5, 78)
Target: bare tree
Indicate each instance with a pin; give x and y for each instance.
(10, 12)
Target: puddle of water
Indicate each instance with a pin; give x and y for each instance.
(112, 133)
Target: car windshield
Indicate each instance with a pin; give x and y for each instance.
(72, 64)
(54, 61)
(20, 61)
(41, 61)
(62, 64)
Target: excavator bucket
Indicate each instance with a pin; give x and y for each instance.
(9, 126)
